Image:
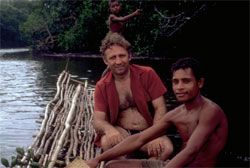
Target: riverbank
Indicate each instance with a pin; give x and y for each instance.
(92, 55)
(13, 50)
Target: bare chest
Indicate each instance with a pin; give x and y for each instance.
(186, 124)
(125, 95)
(129, 117)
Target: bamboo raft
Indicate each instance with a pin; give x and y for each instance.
(66, 132)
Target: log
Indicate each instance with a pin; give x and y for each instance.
(67, 127)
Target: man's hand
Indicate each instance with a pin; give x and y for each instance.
(114, 137)
(92, 163)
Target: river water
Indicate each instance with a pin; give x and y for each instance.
(28, 83)
(22, 99)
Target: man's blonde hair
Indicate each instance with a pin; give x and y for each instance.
(114, 39)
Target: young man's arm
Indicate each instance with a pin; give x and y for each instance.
(124, 18)
(205, 128)
(132, 143)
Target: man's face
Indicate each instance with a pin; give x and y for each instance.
(115, 7)
(185, 85)
(117, 59)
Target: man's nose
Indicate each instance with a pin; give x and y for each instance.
(179, 85)
(118, 60)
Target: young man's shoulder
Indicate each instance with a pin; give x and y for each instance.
(211, 109)
(211, 105)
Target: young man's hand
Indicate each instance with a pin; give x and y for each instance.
(92, 163)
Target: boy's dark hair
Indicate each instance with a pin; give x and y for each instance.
(111, 1)
(188, 62)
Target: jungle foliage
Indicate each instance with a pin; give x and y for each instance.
(12, 14)
(80, 25)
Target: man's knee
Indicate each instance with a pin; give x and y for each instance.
(166, 149)
(105, 144)
(169, 149)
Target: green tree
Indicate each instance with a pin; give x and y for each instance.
(77, 25)
(12, 14)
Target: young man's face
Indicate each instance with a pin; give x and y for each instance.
(185, 85)
(117, 59)
(115, 7)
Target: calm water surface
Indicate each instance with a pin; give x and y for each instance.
(27, 84)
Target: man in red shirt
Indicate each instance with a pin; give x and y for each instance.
(122, 96)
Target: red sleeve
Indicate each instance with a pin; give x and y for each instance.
(155, 86)
(100, 103)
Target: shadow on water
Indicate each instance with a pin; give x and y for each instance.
(28, 83)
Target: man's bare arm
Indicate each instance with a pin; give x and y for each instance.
(207, 124)
(159, 107)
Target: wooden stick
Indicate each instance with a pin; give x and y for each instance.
(67, 127)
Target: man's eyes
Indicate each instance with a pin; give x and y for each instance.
(185, 81)
(175, 81)
(114, 57)
(122, 56)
